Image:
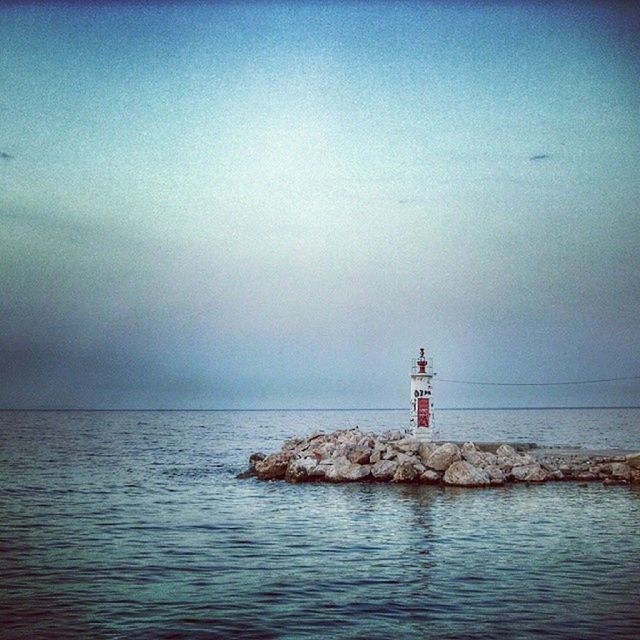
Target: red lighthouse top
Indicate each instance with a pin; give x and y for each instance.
(422, 362)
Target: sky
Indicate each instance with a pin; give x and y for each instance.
(274, 205)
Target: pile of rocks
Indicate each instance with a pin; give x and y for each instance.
(351, 455)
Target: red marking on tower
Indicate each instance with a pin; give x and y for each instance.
(423, 412)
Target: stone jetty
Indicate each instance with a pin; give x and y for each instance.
(350, 455)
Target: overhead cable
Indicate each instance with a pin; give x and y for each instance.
(537, 384)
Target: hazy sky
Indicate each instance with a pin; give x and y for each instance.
(274, 205)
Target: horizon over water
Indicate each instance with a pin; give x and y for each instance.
(303, 409)
(132, 524)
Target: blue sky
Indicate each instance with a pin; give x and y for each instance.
(275, 204)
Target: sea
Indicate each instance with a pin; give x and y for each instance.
(132, 524)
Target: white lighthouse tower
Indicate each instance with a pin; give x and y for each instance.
(421, 423)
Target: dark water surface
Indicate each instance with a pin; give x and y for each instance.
(132, 525)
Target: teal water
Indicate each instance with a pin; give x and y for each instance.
(132, 525)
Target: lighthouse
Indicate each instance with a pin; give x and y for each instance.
(421, 422)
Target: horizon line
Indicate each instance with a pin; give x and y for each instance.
(140, 410)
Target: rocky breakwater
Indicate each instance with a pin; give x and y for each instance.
(351, 455)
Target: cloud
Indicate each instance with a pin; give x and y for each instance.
(5, 156)
(540, 156)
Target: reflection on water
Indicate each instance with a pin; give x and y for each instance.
(133, 525)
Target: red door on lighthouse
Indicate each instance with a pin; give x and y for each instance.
(423, 412)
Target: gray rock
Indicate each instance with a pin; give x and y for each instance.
(495, 473)
(343, 470)
(463, 474)
(420, 468)
(366, 441)
(507, 452)
(525, 458)
(425, 450)
(407, 457)
(429, 476)
(407, 445)
(301, 470)
(384, 469)
(472, 455)
(633, 460)
(322, 451)
(359, 454)
(405, 473)
(357, 472)
(506, 463)
(443, 456)
(488, 459)
(621, 471)
(389, 454)
(467, 447)
(528, 473)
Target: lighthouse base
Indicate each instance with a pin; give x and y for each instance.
(424, 434)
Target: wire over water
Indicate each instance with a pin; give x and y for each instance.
(537, 384)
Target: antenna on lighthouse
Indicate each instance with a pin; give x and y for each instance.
(421, 415)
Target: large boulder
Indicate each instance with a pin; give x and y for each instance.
(384, 469)
(508, 457)
(443, 457)
(273, 467)
(463, 474)
(495, 473)
(507, 452)
(359, 454)
(343, 470)
(301, 470)
(405, 473)
(529, 473)
(471, 454)
(633, 460)
(620, 471)
(357, 472)
(425, 450)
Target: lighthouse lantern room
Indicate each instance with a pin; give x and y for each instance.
(421, 422)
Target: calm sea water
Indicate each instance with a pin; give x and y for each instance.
(132, 525)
